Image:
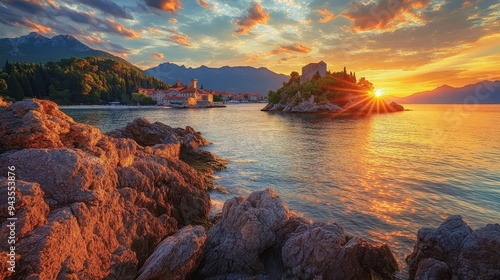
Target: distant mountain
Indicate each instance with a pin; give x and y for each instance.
(232, 79)
(40, 49)
(485, 92)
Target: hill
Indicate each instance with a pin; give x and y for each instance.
(90, 80)
(485, 92)
(40, 49)
(231, 79)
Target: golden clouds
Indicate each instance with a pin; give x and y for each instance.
(326, 15)
(93, 40)
(180, 39)
(170, 6)
(205, 5)
(38, 27)
(297, 47)
(158, 56)
(383, 14)
(121, 29)
(255, 15)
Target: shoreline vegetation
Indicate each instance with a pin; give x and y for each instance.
(133, 203)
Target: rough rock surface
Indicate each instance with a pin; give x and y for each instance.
(468, 254)
(303, 107)
(176, 257)
(146, 133)
(324, 250)
(90, 206)
(311, 107)
(259, 236)
(246, 229)
(431, 269)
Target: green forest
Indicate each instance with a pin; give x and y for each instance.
(334, 88)
(90, 80)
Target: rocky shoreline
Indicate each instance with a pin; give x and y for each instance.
(133, 204)
(309, 106)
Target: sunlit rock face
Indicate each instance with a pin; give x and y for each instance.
(90, 205)
(455, 251)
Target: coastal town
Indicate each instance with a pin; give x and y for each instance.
(180, 95)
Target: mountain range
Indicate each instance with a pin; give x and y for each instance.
(40, 49)
(485, 92)
(232, 79)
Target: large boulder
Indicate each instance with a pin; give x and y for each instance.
(176, 257)
(456, 250)
(259, 237)
(89, 205)
(246, 229)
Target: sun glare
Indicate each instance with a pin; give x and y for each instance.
(379, 93)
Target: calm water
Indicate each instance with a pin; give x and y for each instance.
(382, 177)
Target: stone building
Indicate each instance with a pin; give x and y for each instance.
(310, 69)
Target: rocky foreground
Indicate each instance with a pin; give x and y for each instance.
(133, 204)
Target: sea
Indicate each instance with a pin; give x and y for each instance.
(382, 176)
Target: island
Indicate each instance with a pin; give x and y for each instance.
(318, 90)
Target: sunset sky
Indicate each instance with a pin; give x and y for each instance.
(402, 46)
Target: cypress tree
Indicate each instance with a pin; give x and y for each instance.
(7, 68)
(15, 89)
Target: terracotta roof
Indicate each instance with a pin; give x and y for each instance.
(188, 90)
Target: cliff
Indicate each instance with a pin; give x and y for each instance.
(90, 205)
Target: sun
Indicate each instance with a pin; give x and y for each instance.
(379, 92)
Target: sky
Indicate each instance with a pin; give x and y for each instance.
(401, 46)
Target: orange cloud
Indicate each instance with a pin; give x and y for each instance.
(94, 40)
(326, 15)
(53, 3)
(158, 55)
(173, 20)
(155, 30)
(205, 5)
(297, 47)
(467, 4)
(170, 6)
(38, 27)
(121, 29)
(180, 39)
(382, 14)
(255, 15)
